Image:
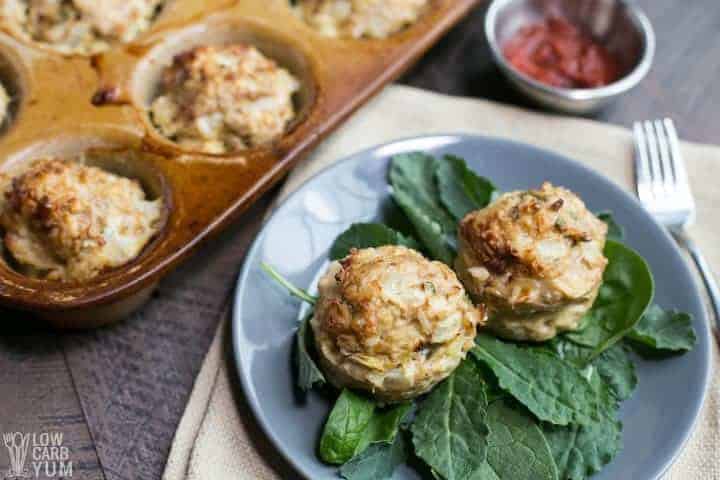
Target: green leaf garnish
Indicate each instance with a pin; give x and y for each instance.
(308, 373)
(461, 190)
(292, 289)
(515, 434)
(354, 423)
(365, 235)
(613, 365)
(582, 450)
(449, 432)
(625, 294)
(378, 461)
(554, 390)
(664, 330)
(412, 177)
(615, 231)
(617, 370)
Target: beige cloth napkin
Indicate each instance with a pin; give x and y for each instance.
(218, 438)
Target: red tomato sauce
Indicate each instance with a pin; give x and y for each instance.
(559, 54)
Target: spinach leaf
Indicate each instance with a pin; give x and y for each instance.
(554, 390)
(378, 461)
(582, 450)
(515, 435)
(625, 294)
(412, 177)
(666, 330)
(364, 235)
(308, 372)
(346, 427)
(354, 423)
(613, 365)
(615, 231)
(461, 189)
(385, 422)
(449, 432)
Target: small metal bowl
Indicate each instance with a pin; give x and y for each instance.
(621, 27)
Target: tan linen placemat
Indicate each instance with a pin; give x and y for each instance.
(218, 437)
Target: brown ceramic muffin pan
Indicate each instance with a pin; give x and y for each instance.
(66, 105)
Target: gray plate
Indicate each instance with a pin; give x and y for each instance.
(657, 420)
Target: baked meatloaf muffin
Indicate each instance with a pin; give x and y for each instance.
(360, 18)
(220, 99)
(391, 322)
(535, 258)
(63, 220)
(83, 27)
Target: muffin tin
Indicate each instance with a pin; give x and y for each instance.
(65, 105)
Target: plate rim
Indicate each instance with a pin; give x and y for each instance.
(456, 138)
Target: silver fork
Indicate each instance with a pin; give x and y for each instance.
(664, 190)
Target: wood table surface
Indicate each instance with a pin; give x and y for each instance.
(117, 394)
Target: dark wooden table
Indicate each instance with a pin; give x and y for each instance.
(117, 394)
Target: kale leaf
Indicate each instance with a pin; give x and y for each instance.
(378, 461)
(515, 434)
(552, 389)
(664, 330)
(449, 432)
(582, 450)
(364, 235)
(614, 365)
(461, 189)
(414, 189)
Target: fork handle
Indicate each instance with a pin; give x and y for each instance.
(705, 272)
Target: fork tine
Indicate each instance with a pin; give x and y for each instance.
(642, 163)
(654, 156)
(676, 158)
(668, 177)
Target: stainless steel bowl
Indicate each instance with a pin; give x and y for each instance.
(621, 27)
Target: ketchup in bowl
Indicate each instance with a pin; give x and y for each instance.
(559, 54)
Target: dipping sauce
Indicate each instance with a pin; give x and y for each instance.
(559, 54)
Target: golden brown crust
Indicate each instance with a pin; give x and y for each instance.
(360, 18)
(530, 253)
(79, 26)
(392, 322)
(63, 220)
(223, 99)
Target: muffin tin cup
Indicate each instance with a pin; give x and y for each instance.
(72, 104)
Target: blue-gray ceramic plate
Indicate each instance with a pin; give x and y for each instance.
(657, 419)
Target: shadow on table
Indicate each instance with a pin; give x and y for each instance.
(13, 323)
(23, 337)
